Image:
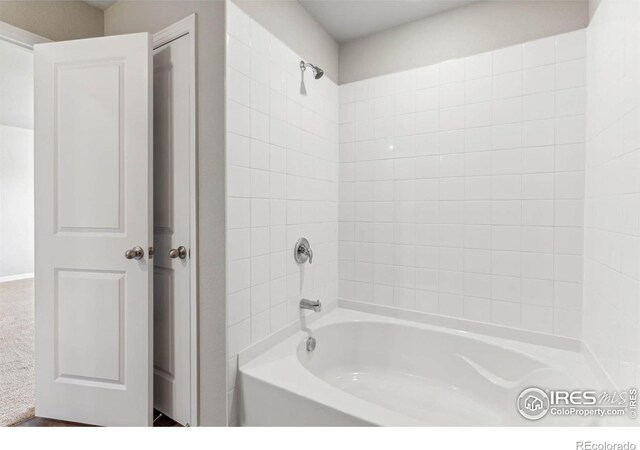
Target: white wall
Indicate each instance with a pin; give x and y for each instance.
(16, 161)
(290, 23)
(152, 16)
(460, 32)
(282, 184)
(612, 234)
(16, 201)
(462, 187)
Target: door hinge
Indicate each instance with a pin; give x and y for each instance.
(150, 252)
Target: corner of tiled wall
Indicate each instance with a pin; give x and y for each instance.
(282, 184)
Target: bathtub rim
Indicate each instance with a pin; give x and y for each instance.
(422, 318)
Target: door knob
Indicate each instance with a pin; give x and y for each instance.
(134, 253)
(180, 252)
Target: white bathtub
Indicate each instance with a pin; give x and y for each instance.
(374, 370)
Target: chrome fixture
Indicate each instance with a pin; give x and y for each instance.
(311, 344)
(134, 253)
(315, 305)
(302, 251)
(180, 252)
(317, 71)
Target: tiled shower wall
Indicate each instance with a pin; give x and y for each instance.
(282, 184)
(612, 219)
(462, 186)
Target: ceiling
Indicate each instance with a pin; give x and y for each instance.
(102, 4)
(351, 19)
(346, 20)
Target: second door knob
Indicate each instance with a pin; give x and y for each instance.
(180, 252)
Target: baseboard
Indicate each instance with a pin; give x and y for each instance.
(20, 276)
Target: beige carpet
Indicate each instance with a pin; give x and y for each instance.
(17, 374)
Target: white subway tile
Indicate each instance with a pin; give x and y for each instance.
(478, 66)
(567, 323)
(239, 306)
(538, 133)
(538, 212)
(571, 46)
(507, 59)
(450, 304)
(571, 102)
(537, 318)
(260, 326)
(238, 213)
(238, 337)
(538, 106)
(537, 239)
(427, 301)
(451, 71)
(238, 24)
(238, 55)
(538, 292)
(570, 130)
(478, 309)
(538, 186)
(505, 313)
(428, 77)
(539, 79)
(570, 74)
(540, 52)
(537, 265)
(508, 110)
(507, 85)
(538, 159)
(568, 268)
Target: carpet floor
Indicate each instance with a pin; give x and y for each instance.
(17, 375)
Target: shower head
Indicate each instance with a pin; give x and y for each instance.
(317, 71)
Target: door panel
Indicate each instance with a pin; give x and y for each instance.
(93, 166)
(90, 326)
(90, 183)
(172, 125)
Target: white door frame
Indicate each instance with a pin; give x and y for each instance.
(184, 27)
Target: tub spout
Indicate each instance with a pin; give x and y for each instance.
(315, 305)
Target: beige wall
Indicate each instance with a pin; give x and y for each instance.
(55, 20)
(152, 16)
(297, 29)
(593, 6)
(464, 31)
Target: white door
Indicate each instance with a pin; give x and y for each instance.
(93, 156)
(172, 262)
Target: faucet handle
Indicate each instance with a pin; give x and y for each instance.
(302, 251)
